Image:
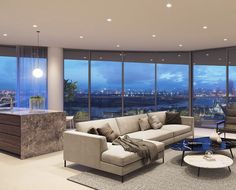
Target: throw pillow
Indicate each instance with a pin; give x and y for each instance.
(173, 118)
(144, 124)
(155, 122)
(107, 131)
(93, 131)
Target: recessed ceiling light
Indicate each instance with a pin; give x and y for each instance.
(35, 26)
(117, 45)
(225, 39)
(168, 5)
(5, 35)
(85, 57)
(207, 54)
(220, 59)
(154, 35)
(151, 59)
(204, 27)
(179, 55)
(180, 45)
(81, 37)
(100, 57)
(163, 60)
(109, 20)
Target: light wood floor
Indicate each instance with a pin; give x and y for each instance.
(46, 172)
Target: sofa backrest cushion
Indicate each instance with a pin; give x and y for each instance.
(160, 114)
(86, 125)
(129, 124)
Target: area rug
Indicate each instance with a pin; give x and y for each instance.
(158, 176)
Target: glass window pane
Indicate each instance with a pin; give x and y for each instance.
(76, 88)
(139, 87)
(106, 88)
(209, 87)
(232, 75)
(8, 79)
(172, 87)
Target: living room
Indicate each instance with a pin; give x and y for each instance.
(83, 83)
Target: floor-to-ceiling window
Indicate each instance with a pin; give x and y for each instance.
(103, 84)
(8, 75)
(173, 82)
(76, 80)
(29, 85)
(139, 83)
(17, 80)
(106, 84)
(232, 75)
(209, 86)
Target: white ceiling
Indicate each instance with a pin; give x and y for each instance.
(61, 22)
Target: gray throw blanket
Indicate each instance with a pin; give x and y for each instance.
(147, 150)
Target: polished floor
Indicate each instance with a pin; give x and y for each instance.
(46, 172)
(40, 173)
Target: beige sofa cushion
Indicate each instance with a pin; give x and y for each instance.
(155, 122)
(86, 125)
(129, 124)
(118, 156)
(160, 114)
(177, 129)
(152, 134)
(144, 123)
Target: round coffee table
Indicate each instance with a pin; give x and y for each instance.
(201, 144)
(216, 161)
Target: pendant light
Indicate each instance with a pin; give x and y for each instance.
(37, 72)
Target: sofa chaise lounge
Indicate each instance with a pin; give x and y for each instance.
(94, 151)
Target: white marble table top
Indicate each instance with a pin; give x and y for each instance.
(68, 118)
(217, 161)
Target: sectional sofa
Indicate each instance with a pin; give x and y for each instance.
(94, 151)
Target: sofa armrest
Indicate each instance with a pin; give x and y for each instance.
(84, 148)
(187, 120)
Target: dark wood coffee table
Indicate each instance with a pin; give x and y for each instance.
(202, 144)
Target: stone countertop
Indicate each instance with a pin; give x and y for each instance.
(25, 111)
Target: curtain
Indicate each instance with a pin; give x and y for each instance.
(30, 58)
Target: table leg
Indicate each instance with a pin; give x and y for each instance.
(198, 172)
(231, 153)
(229, 169)
(182, 158)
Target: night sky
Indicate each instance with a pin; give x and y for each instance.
(107, 74)
(141, 76)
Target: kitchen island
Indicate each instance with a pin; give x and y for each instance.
(28, 133)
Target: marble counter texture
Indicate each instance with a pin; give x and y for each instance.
(40, 131)
(24, 111)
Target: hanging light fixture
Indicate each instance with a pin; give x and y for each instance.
(37, 72)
